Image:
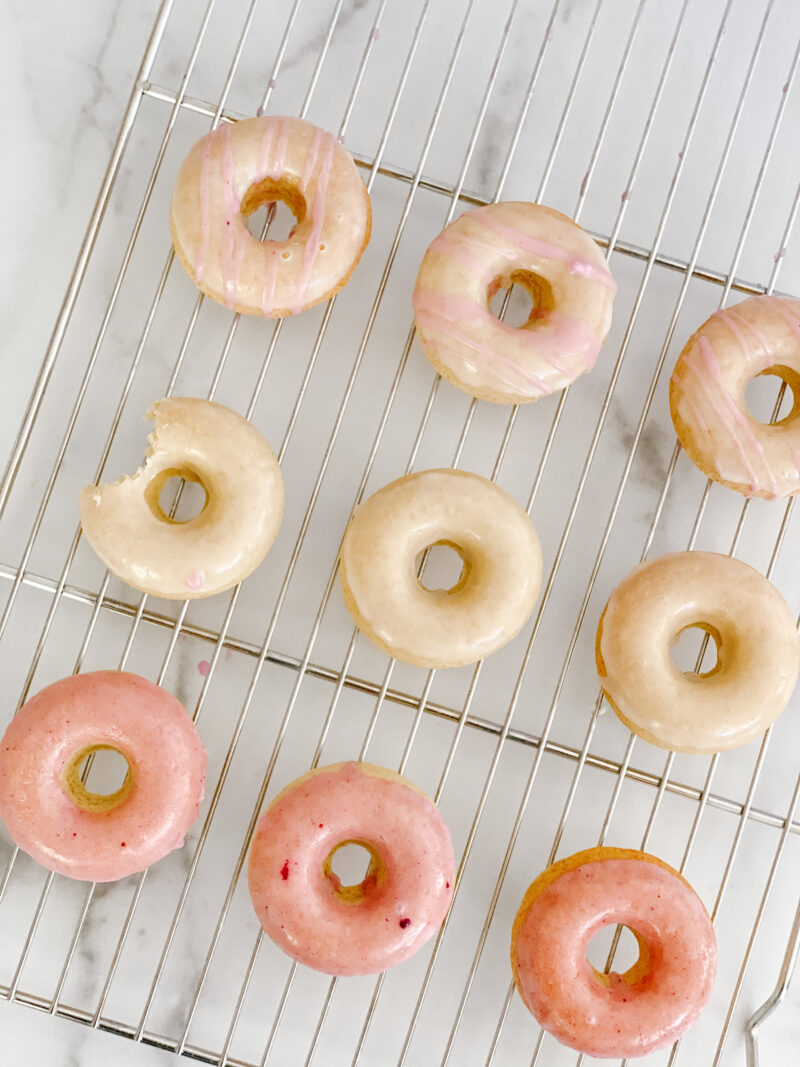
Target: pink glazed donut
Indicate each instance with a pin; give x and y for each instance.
(48, 810)
(613, 1015)
(404, 896)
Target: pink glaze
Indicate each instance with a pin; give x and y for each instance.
(167, 765)
(403, 901)
(625, 1017)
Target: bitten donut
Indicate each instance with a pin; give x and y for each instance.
(707, 397)
(238, 167)
(613, 1015)
(48, 810)
(202, 442)
(757, 652)
(493, 248)
(404, 896)
(488, 605)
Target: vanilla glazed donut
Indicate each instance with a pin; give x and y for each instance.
(401, 901)
(758, 652)
(499, 583)
(204, 442)
(707, 397)
(613, 1015)
(235, 169)
(492, 248)
(47, 809)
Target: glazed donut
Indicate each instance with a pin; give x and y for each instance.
(613, 1015)
(492, 248)
(238, 167)
(758, 652)
(707, 397)
(203, 442)
(404, 896)
(47, 809)
(492, 599)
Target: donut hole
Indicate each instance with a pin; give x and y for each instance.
(762, 393)
(108, 771)
(530, 297)
(273, 210)
(177, 495)
(620, 948)
(353, 869)
(441, 566)
(693, 653)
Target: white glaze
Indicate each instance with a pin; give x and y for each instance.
(442, 628)
(204, 442)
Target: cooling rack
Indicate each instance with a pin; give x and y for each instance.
(669, 130)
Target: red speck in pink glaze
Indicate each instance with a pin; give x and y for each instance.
(122, 845)
(447, 885)
(285, 871)
(320, 826)
(404, 923)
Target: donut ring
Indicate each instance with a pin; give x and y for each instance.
(758, 652)
(492, 599)
(613, 1015)
(238, 167)
(405, 894)
(47, 809)
(203, 442)
(490, 249)
(707, 397)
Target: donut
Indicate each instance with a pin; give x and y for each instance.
(48, 811)
(758, 652)
(613, 1015)
(202, 442)
(233, 171)
(707, 397)
(404, 895)
(488, 605)
(493, 248)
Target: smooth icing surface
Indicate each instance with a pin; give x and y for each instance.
(234, 170)
(613, 1015)
(491, 248)
(203, 442)
(441, 628)
(758, 652)
(156, 806)
(707, 397)
(401, 902)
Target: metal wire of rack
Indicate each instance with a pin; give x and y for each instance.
(667, 131)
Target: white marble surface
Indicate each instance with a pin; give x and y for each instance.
(67, 76)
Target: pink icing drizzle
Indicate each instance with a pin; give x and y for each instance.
(205, 210)
(233, 241)
(270, 278)
(778, 307)
(264, 148)
(280, 152)
(195, 579)
(311, 249)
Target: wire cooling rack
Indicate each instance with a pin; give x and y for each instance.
(669, 130)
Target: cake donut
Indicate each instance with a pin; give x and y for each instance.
(237, 168)
(202, 442)
(613, 1015)
(488, 605)
(402, 899)
(493, 248)
(758, 652)
(707, 397)
(47, 809)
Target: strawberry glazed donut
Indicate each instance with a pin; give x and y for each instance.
(401, 901)
(707, 397)
(493, 248)
(47, 808)
(238, 167)
(201, 442)
(613, 1015)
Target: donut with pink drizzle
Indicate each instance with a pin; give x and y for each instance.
(613, 1015)
(239, 167)
(707, 397)
(48, 809)
(493, 248)
(404, 895)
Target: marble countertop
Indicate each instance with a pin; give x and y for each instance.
(68, 72)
